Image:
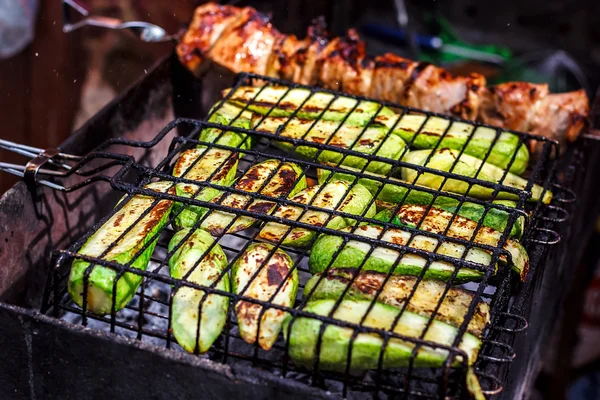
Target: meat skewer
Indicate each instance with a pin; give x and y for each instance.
(244, 40)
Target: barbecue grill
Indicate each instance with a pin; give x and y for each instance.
(56, 349)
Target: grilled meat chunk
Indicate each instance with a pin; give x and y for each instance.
(434, 89)
(512, 104)
(246, 44)
(207, 26)
(561, 112)
(341, 65)
(282, 62)
(390, 75)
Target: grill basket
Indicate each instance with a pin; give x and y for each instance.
(148, 316)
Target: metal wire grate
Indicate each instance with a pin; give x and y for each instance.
(148, 316)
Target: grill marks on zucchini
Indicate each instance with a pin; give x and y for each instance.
(367, 140)
(302, 334)
(426, 133)
(276, 179)
(337, 195)
(265, 274)
(396, 291)
(440, 222)
(199, 165)
(391, 195)
(228, 114)
(329, 251)
(198, 318)
(137, 230)
(448, 160)
(319, 115)
(280, 101)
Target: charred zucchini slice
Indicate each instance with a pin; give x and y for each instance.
(263, 273)
(330, 251)
(396, 290)
(199, 165)
(441, 222)
(101, 280)
(336, 195)
(368, 140)
(391, 195)
(283, 179)
(190, 262)
(302, 334)
(281, 101)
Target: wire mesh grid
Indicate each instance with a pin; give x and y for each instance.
(425, 367)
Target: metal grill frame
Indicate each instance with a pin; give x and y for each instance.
(535, 239)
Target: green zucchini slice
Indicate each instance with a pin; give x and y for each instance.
(330, 251)
(475, 141)
(228, 115)
(334, 195)
(190, 262)
(287, 179)
(257, 275)
(467, 166)
(302, 334)
(199, 165)
(396, 290)
(100, 283)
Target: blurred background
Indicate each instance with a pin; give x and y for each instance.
(52, 82)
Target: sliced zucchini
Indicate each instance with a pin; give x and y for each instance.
(426, 133)
(391, 195)
(368, 285)
(439, 221)
(287, 179)
(276, 232)
(261, 272)
(101, 280)
(228, 115)
(494, 218)
(208, 161)
(467, 166)
(336, 195)
(281, 101)
(368, 140)
(302, 334)
(191, 263)
(329, 251)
